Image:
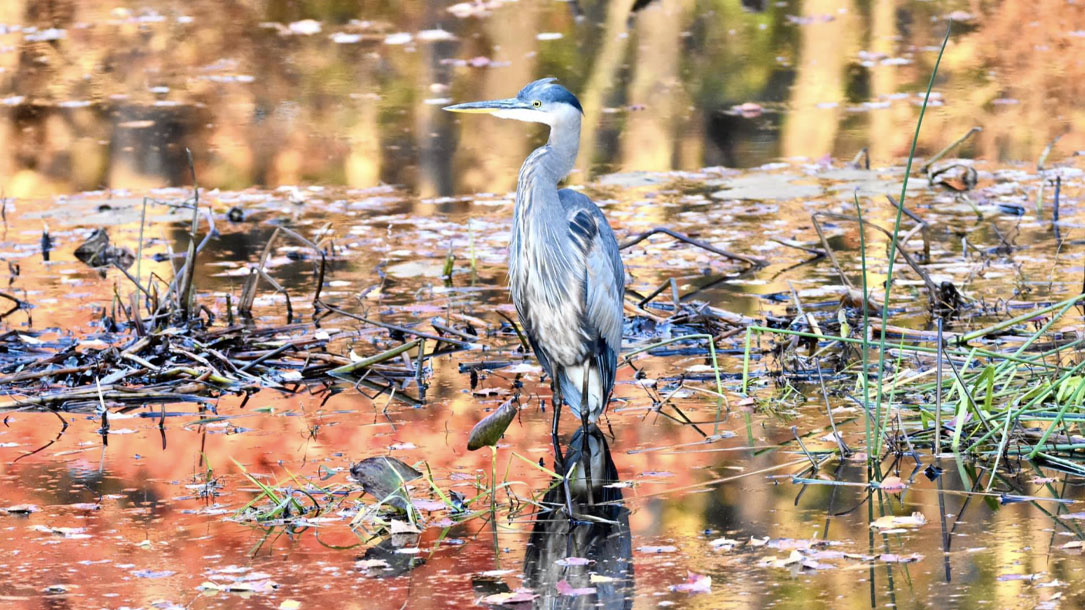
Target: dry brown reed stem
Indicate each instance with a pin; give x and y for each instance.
(185, 296)
(248, 292)
(945, 151)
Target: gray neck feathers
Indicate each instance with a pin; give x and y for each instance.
(536, 191)
(564, 143)
(548, 165)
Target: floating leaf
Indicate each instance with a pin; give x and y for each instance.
(153, 573)
(428, 505)
(97, 252)
(893, 558)
(1014, 577)
(398, 38)
(369, 564)
(381, 477)
(776, 562)
(892, 484)
(255, 586)
(695, 583)
(725, 544)
(565, 588)
(522, 596)
(488, 431)
(657, 549)
(78, 533)
(435, 35)
(402, 527)
(893, 521)
(796, 543)
(305, 27)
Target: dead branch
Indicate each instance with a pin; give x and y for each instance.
(750, 260)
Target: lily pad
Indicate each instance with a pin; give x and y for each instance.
(634, 179)
(768, 186)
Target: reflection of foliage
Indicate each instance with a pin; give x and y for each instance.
(731, 53)
(274, 107)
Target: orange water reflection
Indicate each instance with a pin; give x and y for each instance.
(147, 543)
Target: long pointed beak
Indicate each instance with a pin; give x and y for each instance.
(490, 107)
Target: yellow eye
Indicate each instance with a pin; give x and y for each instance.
(536, 104)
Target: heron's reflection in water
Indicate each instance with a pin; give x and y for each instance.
(555, 566)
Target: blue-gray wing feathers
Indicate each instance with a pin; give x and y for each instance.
(603, 292)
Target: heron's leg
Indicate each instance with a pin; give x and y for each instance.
(559, 459)
(573, 516)
(585, 446)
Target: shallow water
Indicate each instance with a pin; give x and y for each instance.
(149, 537)
(267, 100)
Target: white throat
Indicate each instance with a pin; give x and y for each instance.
(558, 115)
(528, 116)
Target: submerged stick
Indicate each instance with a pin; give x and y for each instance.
(402, 329)
(864, 154)
(258, 271)
(377, 359)
(1055, 209)
(139, 247)
(19, 304)
(945, 151)
(756, 262)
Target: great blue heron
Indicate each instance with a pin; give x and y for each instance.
(565, 273)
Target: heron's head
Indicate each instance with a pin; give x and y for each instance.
(543, 101)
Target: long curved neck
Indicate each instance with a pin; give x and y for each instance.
(564, 143)
(538, 209)
(549, 164)
(539, 217)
